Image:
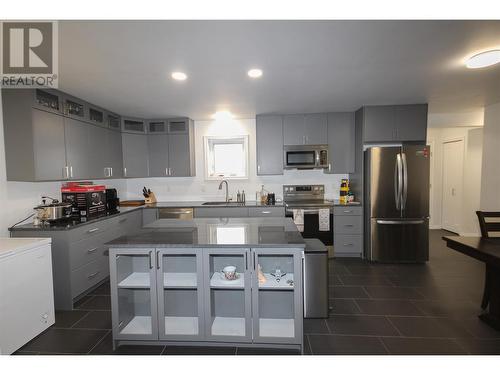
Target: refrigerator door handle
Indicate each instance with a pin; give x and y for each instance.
(405, 181)
(399, 222)
(398, 181)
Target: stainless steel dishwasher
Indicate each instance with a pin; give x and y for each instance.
(315, 269)
(180, 213)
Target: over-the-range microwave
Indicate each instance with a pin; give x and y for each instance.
(306, 156)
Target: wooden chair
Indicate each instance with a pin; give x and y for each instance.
(487, 228)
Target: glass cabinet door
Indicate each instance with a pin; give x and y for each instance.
(227, 294)
(133, 294)
(277, 295)
(180, 295)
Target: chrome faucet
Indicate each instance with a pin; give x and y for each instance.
(227, 188)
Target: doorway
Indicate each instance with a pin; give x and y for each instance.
(453, 173)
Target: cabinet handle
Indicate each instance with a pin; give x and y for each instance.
(348, 225)
(150, 261)
(124, 171)
(71, 171)
(258, 168)
(90, 251)
(266, 212)
(348, 244)
(254, 260)
(157, 260)
(111, 172)
(347, 211)
(170, 171)
(92, 230)
(166, 171)
(246, 261)
(92, 275)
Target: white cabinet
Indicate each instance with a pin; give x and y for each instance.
(26, 291)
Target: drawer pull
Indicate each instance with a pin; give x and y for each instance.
(348, 225)
(92, 275)
(265, 212)
(90, 251)
(92, 230)
(347, 211)
(348, 244)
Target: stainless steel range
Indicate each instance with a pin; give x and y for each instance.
(310, 199)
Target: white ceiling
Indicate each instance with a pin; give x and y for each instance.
(309, 66)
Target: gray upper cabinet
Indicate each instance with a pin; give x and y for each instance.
(411, 122)
(269, 143)
(74, 107)
(158, 155)
(315, 128)
(309, 129)
(133, 125)
(114, 153)
(395, 123)
(178, 125)
(76, 135)
(48, 147)
(47, 100)
(98, 152)
(378, 124)
(157, 126)
(96, 115)
(135, 155)
(293, 130)
(113, 121)
(341, 146)
(179, 159)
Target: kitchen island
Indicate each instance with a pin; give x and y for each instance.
(170, 285)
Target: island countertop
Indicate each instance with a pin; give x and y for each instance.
(232, 232)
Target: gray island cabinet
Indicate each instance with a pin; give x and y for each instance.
(167, 284)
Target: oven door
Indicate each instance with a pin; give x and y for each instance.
(300, 159)
(311, 225)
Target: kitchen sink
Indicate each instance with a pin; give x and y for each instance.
(219, 203)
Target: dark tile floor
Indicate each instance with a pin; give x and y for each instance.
(377, 309)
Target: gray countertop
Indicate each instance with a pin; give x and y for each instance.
(71, 224)
(234, 232)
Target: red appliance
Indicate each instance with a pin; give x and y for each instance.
(87, 200)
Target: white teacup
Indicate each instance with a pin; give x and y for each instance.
(229, 272)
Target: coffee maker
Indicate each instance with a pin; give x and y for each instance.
(112, 201)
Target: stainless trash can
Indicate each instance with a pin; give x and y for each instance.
(315, 270)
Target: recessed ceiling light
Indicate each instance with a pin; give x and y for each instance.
(254, 73)
(179, 76)
(483, 59)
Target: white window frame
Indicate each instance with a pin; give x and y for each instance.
(209, 155)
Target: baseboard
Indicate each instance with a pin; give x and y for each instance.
(434, 226)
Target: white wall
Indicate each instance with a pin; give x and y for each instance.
(17, 199)
(490, 187)
(473, 139)
(197, 188)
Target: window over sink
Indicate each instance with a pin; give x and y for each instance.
(226, 157)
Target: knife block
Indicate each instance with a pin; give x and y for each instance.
(150, 199)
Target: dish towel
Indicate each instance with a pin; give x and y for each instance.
(298, 219)
(324, 219)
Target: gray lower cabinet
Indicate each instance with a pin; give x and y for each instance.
(180, 294)
(179, 280)
(341, 146)
(277, 306)
(79, 257)
(269, 143)
(262, 211)
(135, 155)
(228, 304)
(348, 231)
(133, 294)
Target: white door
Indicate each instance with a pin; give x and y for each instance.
(452, 185)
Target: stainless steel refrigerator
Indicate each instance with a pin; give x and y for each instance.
(396, 181)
